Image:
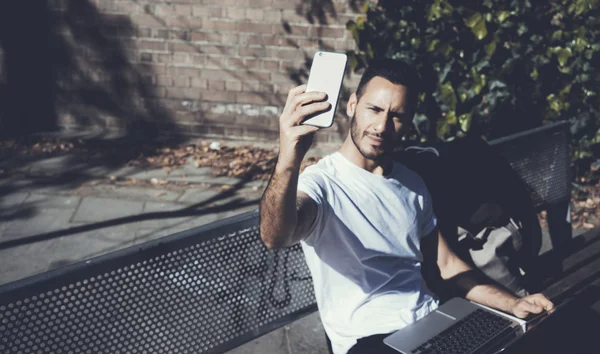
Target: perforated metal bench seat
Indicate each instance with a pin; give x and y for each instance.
(208, 289)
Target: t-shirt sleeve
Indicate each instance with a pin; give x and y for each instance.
(428, 221)
(312, 185)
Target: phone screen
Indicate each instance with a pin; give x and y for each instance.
(326, 75)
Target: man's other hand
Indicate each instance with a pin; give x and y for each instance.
(532, 304)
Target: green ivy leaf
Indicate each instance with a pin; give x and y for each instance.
(562, 54)
(490, 48)
(449, 96)
(555, 103)
(477, 25)
(442, 128)
(465, 121)
(502, 15)
(432, 45)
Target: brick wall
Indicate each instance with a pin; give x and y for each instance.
(218, 68)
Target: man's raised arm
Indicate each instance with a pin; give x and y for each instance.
(285, 213)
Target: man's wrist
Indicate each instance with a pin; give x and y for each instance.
(286, 165)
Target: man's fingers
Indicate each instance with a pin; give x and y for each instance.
(305, 99)
(305, 111)
(294, 92)
(543, 302)
(530, 307)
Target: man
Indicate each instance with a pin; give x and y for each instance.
(365, 223)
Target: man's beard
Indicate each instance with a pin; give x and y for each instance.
(357, 136)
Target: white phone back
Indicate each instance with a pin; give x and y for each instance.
(326, 75)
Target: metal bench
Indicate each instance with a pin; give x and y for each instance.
(212, 288)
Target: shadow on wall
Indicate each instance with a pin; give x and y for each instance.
(73, 62)
(317, 11)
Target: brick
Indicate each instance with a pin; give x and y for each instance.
(164, 10)
(219, 25)
(260, 52)
(251, 97)
(272, 16)
(206, 37)
(181, 58)
(198, 59)
(163, 80)
(292, 16)
(152, 45)
(254, 27)
(250, 86)
(163, 58)
(263, 4)
(182, 47)
(218, 96)
(251, 63)
(181, 81)
(296, 30)
(327, 32)
(216, 85)
(146, 57)
(146, 20)
(284, 4)
(233, 85)
(270, 65)
(185, 93)
(183, 71)
(218, 49)
(235, 63)
(230, 38)
(184, 22)
(161, 33)
(183, 10)
(286, 53)
(236, 13)
(255, 14)
(180, 35)
(147, 67)
(199, 83)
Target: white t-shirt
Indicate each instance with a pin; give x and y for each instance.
(363, 250)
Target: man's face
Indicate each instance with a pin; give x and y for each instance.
(379, 118)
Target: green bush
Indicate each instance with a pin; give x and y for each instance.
(493, 67)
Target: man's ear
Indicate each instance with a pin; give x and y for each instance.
(351, 106)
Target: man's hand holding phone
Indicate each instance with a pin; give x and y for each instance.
(295, 139)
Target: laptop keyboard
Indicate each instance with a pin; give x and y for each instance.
(466, 334)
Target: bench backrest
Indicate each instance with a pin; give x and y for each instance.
(208, 289)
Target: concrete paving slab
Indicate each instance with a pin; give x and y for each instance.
(307, 335)
(42, 221)
(55, 165)
(273, 343)
(24, 261)
(135, 193)
(82, 246)
(303, 336)
(148, 234)
(52, 201)
(197, 195)
(101, 209)
(13, 199)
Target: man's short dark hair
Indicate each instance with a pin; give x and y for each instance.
(395, 71)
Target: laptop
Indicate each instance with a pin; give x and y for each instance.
(458, 326)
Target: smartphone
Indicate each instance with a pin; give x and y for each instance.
(326, 75)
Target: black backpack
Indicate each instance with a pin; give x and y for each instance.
(483, 207)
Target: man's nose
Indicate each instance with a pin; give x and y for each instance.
(382, 124)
